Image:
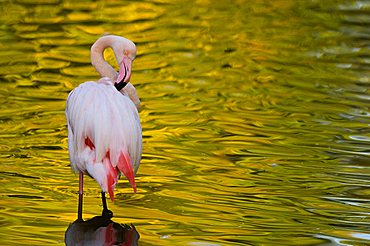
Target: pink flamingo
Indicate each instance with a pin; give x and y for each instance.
(104, 131)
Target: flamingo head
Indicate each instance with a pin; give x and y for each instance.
(125, 55)
(125, 52)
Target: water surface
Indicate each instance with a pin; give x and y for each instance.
(255, 120)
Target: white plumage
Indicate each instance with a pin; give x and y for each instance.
(104, 132)
(110, 120)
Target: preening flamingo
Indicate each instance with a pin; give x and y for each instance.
(104, 131)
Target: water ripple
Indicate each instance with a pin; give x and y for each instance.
(254, 119)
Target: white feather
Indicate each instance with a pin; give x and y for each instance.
(110, 119)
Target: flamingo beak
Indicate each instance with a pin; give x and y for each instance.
(124, 73)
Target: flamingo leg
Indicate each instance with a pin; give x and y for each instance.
(80, 195)
(106, 212)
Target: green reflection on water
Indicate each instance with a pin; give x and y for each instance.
(255, 120)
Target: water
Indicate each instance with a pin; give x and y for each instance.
(255, 120)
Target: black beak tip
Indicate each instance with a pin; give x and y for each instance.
(119, 86)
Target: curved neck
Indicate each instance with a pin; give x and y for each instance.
(97, 57)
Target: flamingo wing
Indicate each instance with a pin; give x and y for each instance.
(104, 134)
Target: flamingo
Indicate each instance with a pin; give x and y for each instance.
(104, 131)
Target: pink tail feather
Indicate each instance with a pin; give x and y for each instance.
(125, 166)
(112, 175)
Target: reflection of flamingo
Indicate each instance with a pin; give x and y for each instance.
(104, 132)
(101, 230)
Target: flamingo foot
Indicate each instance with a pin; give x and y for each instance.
(106, 212)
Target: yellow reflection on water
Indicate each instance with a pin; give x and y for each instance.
(254, 133)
